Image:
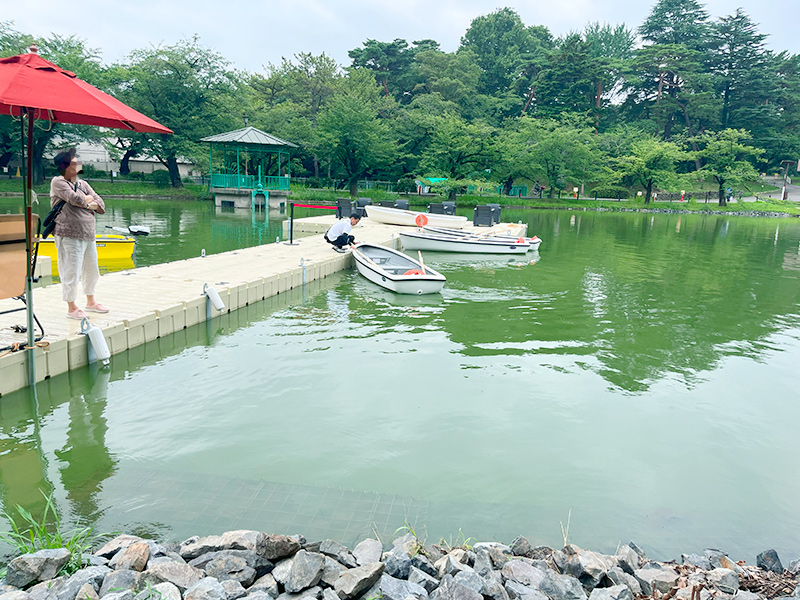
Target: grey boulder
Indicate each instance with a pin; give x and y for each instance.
(241, 539)
(725, 580)
(227, 567)
(120, 580)
(353, 582)
(181, 575)
(368, 551)
(266, 584)
(338, 552)
(15, 595)
(617, 592)
(123, 595)
(392, 588)
(561, 587)
(233, 589)
(120, 542)
(769, 561)
(37, 566)
(661, 579)
(161, 591)
(91, 575)
(398, 563)
(276, 547)
(421, 578)
(207, 588)
(305, 572)
(450, 589)
(523, 572)
(586, 566)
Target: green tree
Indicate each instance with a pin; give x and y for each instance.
(506, 52)
(651, 163)
(186, 87)
(552, 152)
(458, 150)
(391, 62)
(727, 159)
(352, 132)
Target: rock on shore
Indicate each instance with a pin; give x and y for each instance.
(253, 565)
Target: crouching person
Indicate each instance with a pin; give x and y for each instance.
(339, 235)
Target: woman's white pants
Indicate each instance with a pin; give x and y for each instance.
(76, 259)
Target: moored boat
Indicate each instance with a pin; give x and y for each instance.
(533, 242)
(396, 271)
(423, 240)
(109, 247)
(412, 218)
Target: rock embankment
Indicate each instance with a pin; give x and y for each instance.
(252, 565)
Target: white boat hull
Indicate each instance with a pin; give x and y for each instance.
(462, 244)
(534, 242)
(387, 267)
(412, 218)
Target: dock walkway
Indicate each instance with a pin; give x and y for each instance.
(151, 302)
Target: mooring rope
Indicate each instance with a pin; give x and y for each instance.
(17, 346)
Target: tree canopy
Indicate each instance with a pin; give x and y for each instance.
(512, 101)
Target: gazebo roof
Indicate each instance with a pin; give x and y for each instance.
(249, 136)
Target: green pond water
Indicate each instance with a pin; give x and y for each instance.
(638, 381)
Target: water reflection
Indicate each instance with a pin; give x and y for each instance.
(631, 352)
(644, 297)
(85, 461)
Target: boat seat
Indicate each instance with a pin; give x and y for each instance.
(344, 207)
(13, 260)
(360, 204)
(483, 216)
(495, 213)
(436, 208)
(402, 204)
(449, 208)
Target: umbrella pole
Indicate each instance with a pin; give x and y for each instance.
(27, 175)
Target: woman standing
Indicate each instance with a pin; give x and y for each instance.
(75, 234)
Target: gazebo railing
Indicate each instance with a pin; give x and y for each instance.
(250, 182)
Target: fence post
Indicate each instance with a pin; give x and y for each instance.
(291, 241)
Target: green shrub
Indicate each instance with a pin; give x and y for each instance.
(161, 178)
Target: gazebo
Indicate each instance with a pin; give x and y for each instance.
(251, 167)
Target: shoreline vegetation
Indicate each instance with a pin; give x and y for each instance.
(195, 192)
(258, 566)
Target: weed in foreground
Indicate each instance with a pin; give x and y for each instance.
(30, 535)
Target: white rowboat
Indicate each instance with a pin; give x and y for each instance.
(423, 240)
(396, 271)
(412, 218)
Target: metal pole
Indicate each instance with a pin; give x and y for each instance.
(27, 175)
(291, 241)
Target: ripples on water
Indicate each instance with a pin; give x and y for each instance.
(639, 374)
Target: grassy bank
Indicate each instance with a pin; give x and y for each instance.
(118, 188)
(421, 202)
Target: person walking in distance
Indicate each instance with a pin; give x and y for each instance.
(75, 234)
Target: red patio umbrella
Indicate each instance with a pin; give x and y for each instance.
(34, 88)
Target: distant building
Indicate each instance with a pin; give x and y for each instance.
(100, 158)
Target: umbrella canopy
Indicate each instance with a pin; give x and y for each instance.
(29, 81)
(35, 88)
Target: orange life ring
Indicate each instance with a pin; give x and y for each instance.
(413, 271)
(421, 220)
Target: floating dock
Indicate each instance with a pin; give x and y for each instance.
(152, 302)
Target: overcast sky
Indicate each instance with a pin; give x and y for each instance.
(253, 33)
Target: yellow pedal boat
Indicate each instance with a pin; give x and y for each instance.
(109, 247)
